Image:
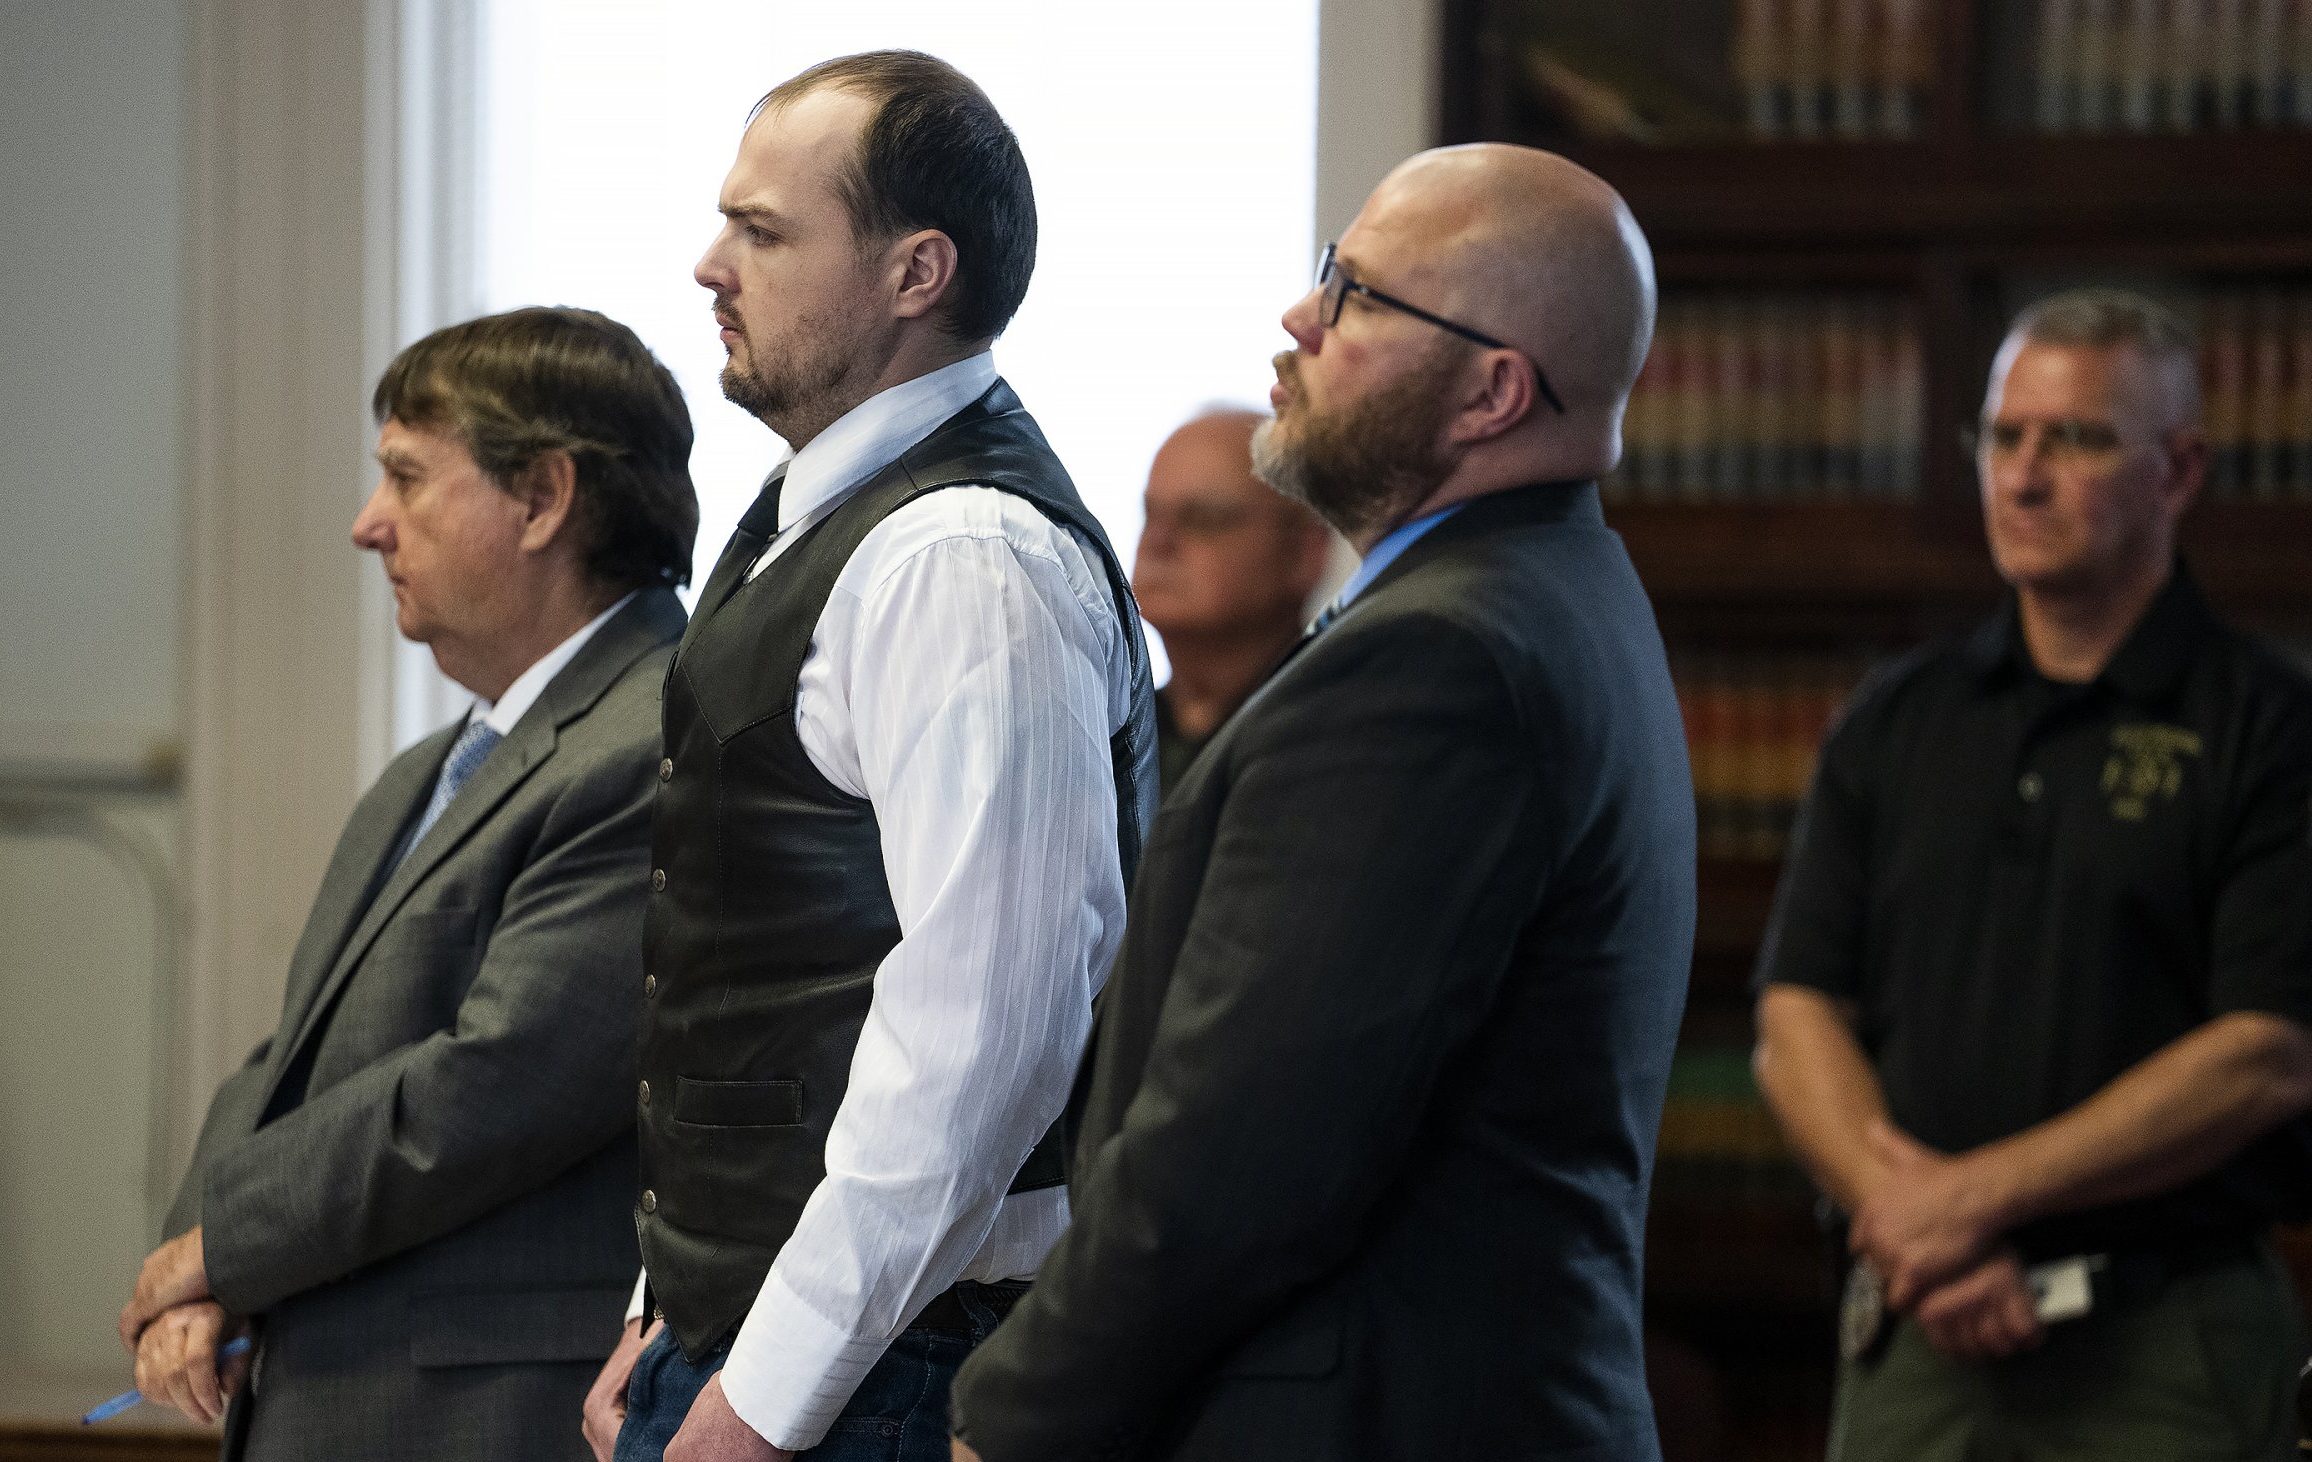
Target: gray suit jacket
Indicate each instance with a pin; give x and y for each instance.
(421, 1183)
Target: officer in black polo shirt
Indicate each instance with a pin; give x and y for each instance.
(2036, 999)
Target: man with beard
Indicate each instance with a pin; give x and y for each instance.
(909, 756)
(1362, 1171)
(1224, 572)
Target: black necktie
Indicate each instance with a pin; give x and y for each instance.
(762, 516)
(757, 525)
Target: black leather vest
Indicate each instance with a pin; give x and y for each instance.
(770, 911)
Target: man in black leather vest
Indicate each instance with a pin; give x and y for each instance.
(909, 756)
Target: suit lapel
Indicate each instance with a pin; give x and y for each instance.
(358, 869)
(506, 768)
(654, 618)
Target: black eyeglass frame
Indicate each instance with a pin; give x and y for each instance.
(1335, 284)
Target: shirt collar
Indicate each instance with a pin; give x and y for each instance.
(1386, 552)
(507, 713)
(2148, 663)
(876, 432)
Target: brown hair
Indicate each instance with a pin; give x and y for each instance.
(936, 154)
(529, 381)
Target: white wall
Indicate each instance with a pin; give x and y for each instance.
(92, 213)
(92, 224)
(1376, 98)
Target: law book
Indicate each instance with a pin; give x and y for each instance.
(2299, 410)
(1853, 78)
(2223, 392)
(1840, 413)
(2228, 62)
(2141, 30)
(2300, 62)
(2055, 76)
(1806, 37)
(1908, 43)
(2268, 429)
(2088, 66)
(2183, 58)
(1757, 64)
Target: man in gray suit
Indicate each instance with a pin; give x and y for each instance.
(415, 1193)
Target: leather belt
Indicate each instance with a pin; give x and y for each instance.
(947, 1314)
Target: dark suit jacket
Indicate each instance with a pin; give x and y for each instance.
(1370, 1123)
(436, 1236)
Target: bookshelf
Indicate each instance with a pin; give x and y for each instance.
(1848, 200)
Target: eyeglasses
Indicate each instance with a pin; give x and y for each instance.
(2066, 439)
(1335, 284)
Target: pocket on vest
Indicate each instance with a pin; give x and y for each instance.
(737, 1103)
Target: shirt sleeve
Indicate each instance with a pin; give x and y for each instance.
(970, 681)
(2260, 953)
(1814, 936)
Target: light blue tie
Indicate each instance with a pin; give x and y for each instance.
(466, 756)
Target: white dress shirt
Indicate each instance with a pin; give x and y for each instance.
(503, 715)
(964, 678)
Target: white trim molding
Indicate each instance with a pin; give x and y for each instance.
(317, 247)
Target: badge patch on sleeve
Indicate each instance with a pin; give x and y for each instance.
(2146, 765)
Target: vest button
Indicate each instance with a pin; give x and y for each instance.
(646, 1093)
(658, 880)
(666, 768)
(2029, 786)
(649, 1201)
(649, 986)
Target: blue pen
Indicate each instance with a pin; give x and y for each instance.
(238, 1345)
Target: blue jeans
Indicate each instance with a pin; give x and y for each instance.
(898, 1414)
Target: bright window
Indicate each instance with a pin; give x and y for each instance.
(1172, 146)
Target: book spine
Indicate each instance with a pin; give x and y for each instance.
(1906, 418)
(1758, 46)
(2096, 65)
(1633, 477)
(2267, 62)
(2228, 44)
(2300, 62)
(1907, 41)
(2267, 427)
(1692, 395)
(2183, 46)
(2139, 66)
(2299, 412)
(1839, 421)
(1854, 83)
(1808, 45)
(2223, 378)
(2056, 76)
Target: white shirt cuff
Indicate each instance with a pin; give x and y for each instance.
(790, 1373)
(634, 1306)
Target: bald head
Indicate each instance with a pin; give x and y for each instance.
(1536, 250)
(1222, 556)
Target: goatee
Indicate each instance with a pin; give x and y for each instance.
(1367, 466)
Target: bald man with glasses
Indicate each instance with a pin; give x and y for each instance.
(2036, 998)
(1362, 1167)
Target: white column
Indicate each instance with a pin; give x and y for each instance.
(290, 243)
(1376, 98)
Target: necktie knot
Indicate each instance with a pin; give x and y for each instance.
(467, 754)
(762, 515)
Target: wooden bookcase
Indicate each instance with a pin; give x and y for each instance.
(1967, 218)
